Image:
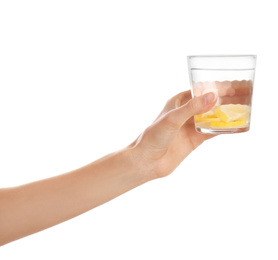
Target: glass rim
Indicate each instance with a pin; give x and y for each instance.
(223, 56)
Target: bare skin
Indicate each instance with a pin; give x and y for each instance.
(35, 206)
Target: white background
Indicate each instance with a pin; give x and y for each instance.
(80, 79)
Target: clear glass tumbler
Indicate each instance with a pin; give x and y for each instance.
(231, 78)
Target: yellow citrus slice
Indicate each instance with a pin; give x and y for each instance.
(228, 124)
(207, 117)
(209, 114)
(232, 112)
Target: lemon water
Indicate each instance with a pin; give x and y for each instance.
(232, 110)
(231, 117)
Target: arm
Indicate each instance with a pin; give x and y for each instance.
(32, 207)
(36, 206)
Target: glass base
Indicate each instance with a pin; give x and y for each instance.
(222, 130)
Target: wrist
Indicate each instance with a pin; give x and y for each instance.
(143, 168)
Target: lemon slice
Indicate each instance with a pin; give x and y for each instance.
(209, 114)
(201, 118)
(210, 119)
(207, 117)
(235, 124)
(231, 112)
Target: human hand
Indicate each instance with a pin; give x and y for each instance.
(172, 136)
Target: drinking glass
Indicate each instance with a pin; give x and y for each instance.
(231, 78)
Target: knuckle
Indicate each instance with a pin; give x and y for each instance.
(191, 106)
(169, 104)
(171, 121)
(194, 107)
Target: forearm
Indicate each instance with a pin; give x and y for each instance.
(36, 206)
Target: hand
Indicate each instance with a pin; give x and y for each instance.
(172, 136)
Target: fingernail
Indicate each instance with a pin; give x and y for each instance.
(209, 98)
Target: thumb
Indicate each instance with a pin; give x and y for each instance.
(194, 106)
